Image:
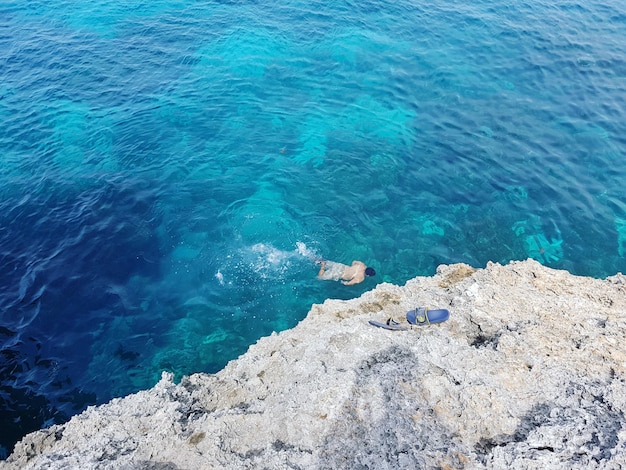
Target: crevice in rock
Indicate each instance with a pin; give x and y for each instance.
(279, 445)
(590, 411)
(150, 465)
(486, 341)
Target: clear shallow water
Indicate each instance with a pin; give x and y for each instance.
(160, 161)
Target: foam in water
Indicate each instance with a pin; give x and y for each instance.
(307, 252)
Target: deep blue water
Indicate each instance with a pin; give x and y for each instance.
(160, 160)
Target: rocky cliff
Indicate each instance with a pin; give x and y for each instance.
(528, 372)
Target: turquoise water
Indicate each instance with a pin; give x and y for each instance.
(160, 162)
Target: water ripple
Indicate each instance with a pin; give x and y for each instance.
(161, 162)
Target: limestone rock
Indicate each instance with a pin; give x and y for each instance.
(528, 373)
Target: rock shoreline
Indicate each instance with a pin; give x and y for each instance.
(528, 372)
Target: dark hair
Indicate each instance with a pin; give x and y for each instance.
(370, 272)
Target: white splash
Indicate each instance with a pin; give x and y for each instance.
(306, 251)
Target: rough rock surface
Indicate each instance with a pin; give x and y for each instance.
(528, 372)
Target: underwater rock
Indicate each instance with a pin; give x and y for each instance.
(620, 226)
(528, 372)
(536, 243)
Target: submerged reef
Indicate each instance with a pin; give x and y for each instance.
(528, 372)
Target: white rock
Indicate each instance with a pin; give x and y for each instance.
(528, 372)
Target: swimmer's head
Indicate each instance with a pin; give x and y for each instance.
(370, 272)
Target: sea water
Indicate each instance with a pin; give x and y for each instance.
(170, 170)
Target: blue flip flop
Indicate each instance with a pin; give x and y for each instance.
(425, 316)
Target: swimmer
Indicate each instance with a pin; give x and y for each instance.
(348, 275)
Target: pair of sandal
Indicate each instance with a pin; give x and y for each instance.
(420, 316)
